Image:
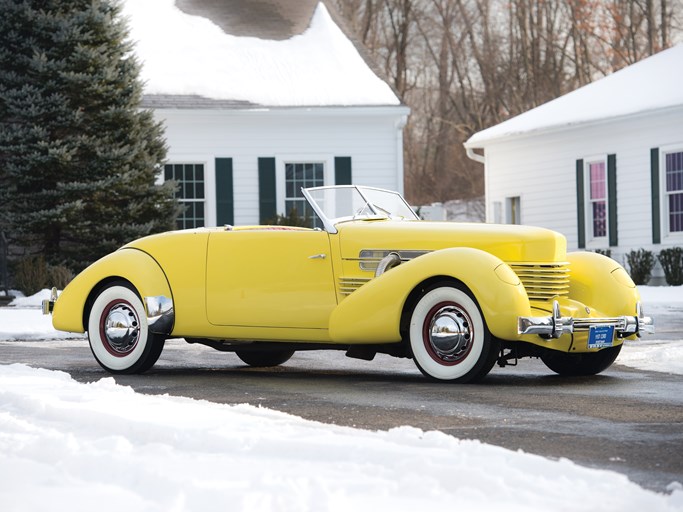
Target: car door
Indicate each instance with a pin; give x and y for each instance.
(270, 278)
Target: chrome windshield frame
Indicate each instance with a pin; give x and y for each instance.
(330, 223)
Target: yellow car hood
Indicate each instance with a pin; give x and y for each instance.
(508, 242)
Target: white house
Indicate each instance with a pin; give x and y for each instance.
(602, 165)
(259, 99)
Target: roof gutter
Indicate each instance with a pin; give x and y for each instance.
(474, 156)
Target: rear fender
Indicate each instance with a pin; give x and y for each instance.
(372, 314)
(129, 264)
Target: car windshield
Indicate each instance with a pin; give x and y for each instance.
(347, 202)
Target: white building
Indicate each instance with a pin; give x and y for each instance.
(259, 99)
(603, 164)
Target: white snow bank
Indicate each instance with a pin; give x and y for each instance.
(34, 301)
(184, 54)
(653, 355)
(101, 446)
(24, 320)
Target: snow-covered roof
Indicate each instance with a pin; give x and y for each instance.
(652, 84)
(192, 56)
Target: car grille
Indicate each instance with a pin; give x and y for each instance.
(348, 285)
(543, 281)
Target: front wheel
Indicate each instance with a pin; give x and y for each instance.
(118, 333)
(589, 363)
(449, 337)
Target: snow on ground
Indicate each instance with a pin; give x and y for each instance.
(649, 352)
(101, 446)
(317, 68)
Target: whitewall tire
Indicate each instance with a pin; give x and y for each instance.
(449, 337)
(118, 333)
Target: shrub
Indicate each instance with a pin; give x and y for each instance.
(640, 265)
(672, 264)
(32, 274)
(58, 276)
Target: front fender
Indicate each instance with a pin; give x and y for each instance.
(372, 314)
(133, 265)
(601, 284)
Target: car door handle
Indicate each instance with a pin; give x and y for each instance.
(317, 257)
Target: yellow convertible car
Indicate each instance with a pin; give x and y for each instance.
(371, 277)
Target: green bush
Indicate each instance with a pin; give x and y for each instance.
(32, 274)
(640, 264)
(672, 264)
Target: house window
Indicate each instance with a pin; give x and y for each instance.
(513, 209)
(597, 200)
(673, 191)
(190, 193)
(298, 175)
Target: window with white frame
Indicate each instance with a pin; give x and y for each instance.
(673, 191)
(596, 203)
(190, 193)
(300, 175)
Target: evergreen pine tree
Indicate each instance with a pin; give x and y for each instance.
(78, 158)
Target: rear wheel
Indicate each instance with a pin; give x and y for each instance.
(449, 337)
(118, 333)
(264, 357)
(589, 363)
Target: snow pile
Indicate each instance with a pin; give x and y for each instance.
(25, 320)
(650, 353)
(653, 355)
(101, 446)
(184, 54)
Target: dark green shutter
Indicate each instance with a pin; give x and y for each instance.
(654, 180)
(225, 206)
(612, 199)
(342, 170)
(266, 190)
(580, 205)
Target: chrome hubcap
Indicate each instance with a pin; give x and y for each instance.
(121, 328)
(449, 333)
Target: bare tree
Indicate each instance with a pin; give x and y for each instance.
(465, 65)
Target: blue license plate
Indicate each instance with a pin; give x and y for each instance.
(601, 336)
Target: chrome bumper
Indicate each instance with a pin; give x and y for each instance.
(556, 325)
(160, 314)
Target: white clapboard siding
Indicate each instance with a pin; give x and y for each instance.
(371, 136)
(540, 168)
